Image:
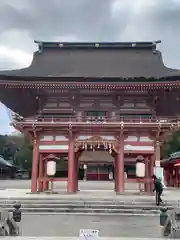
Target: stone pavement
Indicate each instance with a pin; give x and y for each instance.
(168, 195)
(109, 226)
(93, 198)
(83, 185)
(20, 189)
(68, 225)
(75, 238)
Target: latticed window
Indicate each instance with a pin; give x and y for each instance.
(58, 115)
(51, 105)
(96, 113)
(137, 116)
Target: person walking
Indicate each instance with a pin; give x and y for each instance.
(158, 187)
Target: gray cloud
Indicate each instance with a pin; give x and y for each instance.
(8, 63)
(22, 21)
(104, 20)
(46, 19)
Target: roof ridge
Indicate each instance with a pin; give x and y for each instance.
(46, 44)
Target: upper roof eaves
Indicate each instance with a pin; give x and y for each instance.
(134, 61)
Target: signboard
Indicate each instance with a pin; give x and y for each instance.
(158, 163)
(88, 234)
(159, 172)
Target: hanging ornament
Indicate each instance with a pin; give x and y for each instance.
(110, 150)
(85, 146)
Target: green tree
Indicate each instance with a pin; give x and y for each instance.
(7, 148)
(24, 157)
(171, 145)
(2, 143)
(17, 148)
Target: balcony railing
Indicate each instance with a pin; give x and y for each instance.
(160, 120)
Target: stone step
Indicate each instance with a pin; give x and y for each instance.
(89, 210)
(86, 206)
(87, 198)
(86, 203)
(121, 200)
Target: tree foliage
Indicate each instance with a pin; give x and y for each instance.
(171, 145)
(18, 149)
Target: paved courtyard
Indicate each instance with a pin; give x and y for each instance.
(109, 226)
(68, 225)
(83, 185)
(96, 189)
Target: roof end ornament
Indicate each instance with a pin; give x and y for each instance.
(40, 46)
(154, 44)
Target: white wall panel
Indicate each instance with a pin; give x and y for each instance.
(53, 147)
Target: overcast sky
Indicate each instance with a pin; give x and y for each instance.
(22, 21)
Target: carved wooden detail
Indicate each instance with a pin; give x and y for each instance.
(95, 139)
(96, 142)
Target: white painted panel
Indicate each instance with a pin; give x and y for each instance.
(145, 139)
(159, 172)
(108, 137)
(61, 138)
(53, 147)
(83, 137)
(131, 139)
(46, 138)
(158, 163)
(138, 148)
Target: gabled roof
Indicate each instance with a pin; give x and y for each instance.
(5, 163)
(174, 156)
(94, 60)
(97, 157)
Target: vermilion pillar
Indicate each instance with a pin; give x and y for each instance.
(157, 152)
(147, 177)
(151, 172)
(119, 167)
(40, 188)
(77, 172)
(72, 168)
(35, 166)
(45, 183)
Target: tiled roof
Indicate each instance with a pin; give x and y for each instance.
(96, 156)
(174, 155)
(95, 60)
(5, 163)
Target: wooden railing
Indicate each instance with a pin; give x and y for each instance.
(122, 119)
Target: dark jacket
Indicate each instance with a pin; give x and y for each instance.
(158, 187)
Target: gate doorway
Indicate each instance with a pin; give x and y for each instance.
(99, 165)
(97, 158)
